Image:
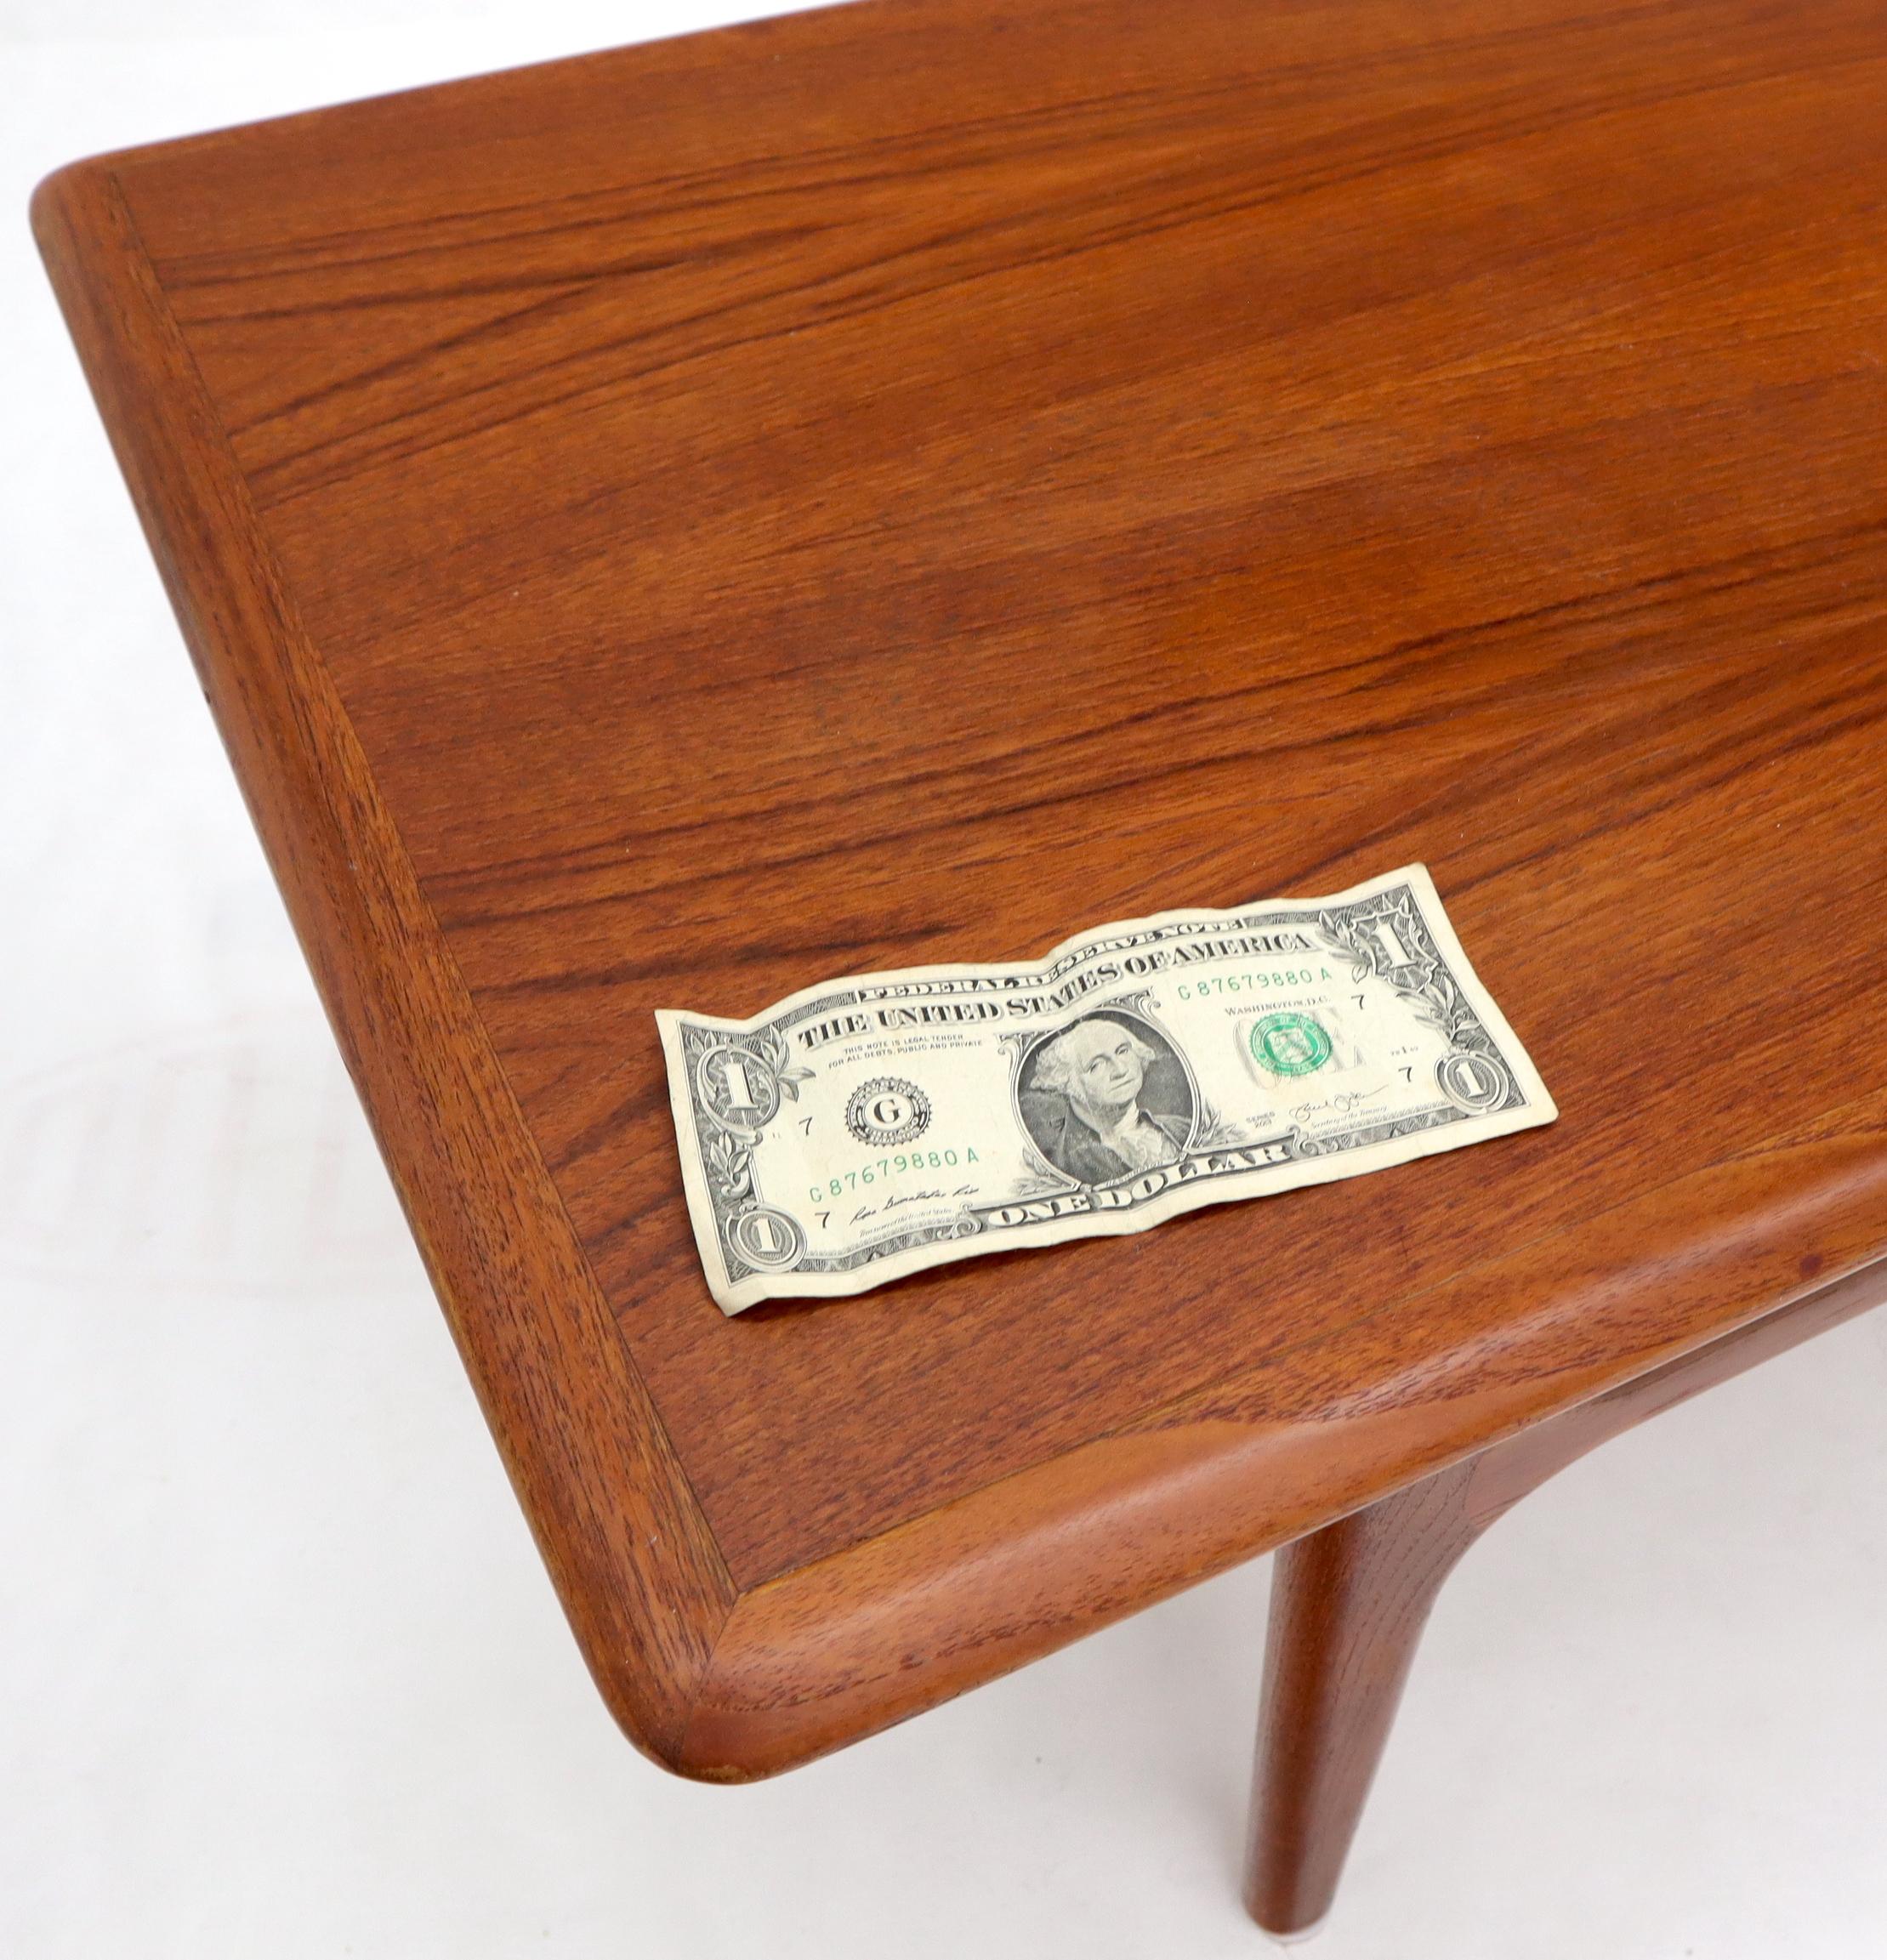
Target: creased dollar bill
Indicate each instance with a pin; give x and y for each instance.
(866, 1129)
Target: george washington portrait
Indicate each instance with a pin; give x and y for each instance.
(1106, 1098)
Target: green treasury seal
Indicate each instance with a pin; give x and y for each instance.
(1289, 1044)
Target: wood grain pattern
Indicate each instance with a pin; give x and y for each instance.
(904, 482)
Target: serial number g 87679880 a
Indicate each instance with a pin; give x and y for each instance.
(899, 1163)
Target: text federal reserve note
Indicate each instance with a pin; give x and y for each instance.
(866, 1129)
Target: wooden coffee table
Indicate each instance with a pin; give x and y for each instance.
(905, 483)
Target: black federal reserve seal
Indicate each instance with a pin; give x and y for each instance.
(888, 1110)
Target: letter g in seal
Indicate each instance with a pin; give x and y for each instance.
(888, 1110)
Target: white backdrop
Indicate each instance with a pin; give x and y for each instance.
(279, 1673)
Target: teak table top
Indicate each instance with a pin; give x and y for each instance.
(904, 483)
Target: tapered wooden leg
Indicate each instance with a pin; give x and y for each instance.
(1348, 1605)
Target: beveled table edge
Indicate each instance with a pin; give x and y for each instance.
(633, 1559)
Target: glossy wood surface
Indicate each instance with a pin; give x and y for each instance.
(902, 483)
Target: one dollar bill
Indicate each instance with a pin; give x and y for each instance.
(868, 1128)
